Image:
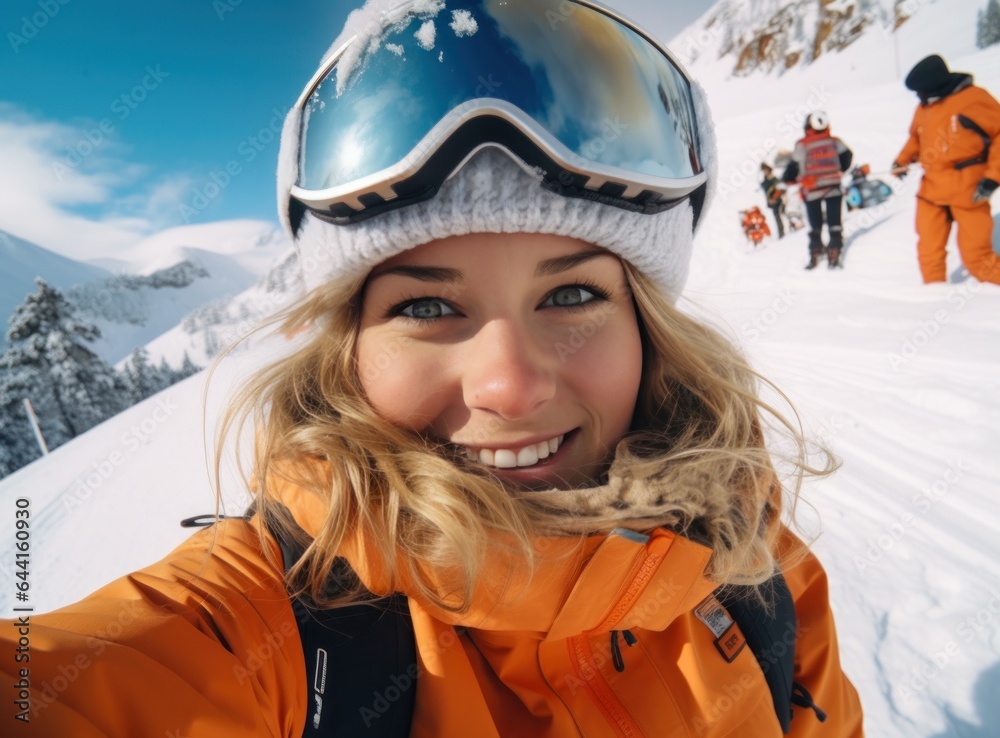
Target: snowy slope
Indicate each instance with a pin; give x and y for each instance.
(901, 380)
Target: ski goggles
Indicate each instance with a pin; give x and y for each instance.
(568, 88)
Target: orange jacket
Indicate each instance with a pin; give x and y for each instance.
(939, 141)
(204, 644)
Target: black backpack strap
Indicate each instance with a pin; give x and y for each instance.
(970, 125)
(770, 634)
(360, 661)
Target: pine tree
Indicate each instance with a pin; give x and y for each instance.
(18, 446)
(988, 25)
(47, 360)
(142, 379)
(188, 367)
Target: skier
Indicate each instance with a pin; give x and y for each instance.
(954, 135)
(774, 193)
(818, 165)
(494, 432)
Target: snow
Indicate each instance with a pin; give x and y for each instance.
(426, 34)
(463, 24)
(899, 379)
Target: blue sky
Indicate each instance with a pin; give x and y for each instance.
(114, 115)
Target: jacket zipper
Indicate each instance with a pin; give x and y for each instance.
(600, 692)
(582, 655)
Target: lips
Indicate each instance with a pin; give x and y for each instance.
(516, 456)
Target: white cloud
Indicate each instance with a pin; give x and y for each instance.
(51, 168)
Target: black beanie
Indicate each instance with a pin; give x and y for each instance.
(929, 75)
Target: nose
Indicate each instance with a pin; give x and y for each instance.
(507, 373)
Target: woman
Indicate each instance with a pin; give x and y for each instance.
(493, 431)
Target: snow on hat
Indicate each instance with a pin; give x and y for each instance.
(491, 194)
(928, 75)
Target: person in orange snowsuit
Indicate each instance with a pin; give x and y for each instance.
(954, 136)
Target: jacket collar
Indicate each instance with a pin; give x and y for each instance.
(959, 81)
(596, 583)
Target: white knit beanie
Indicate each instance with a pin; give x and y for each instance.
(492, 194)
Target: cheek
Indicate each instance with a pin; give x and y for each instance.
(606, 367)
(400, 382)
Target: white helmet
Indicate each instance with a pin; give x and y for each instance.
(818, 121)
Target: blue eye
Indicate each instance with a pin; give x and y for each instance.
(572, 296)
(430, 308)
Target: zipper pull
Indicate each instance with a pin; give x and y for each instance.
(616, 651)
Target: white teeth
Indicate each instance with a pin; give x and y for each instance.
(508, 459)
(527, 456)
(504, 459)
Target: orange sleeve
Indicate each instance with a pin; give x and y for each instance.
(911, 149)
(202, 644)
(817, 656)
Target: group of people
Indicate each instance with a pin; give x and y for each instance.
(954, 136)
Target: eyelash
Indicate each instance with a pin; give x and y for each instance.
(600, 295)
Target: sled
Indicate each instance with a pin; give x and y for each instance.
(754, 225)
(864, 192)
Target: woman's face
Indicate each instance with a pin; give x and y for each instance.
(522, 350)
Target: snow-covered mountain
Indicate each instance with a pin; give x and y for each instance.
(165, 278)
(750, 36)
(22, 261)
(807, 52)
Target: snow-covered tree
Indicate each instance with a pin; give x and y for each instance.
(988, 25)
(18, 446)
(143, 380)
(47, 361)
(188, 367)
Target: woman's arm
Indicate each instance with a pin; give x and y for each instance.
(202, 643)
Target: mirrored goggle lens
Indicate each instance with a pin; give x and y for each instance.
(598, 87)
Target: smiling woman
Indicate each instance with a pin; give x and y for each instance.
(495, 448)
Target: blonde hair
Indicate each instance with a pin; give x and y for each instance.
(697, 432)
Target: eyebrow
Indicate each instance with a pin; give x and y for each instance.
(545, 268)
(424, 274)
(565, 263)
